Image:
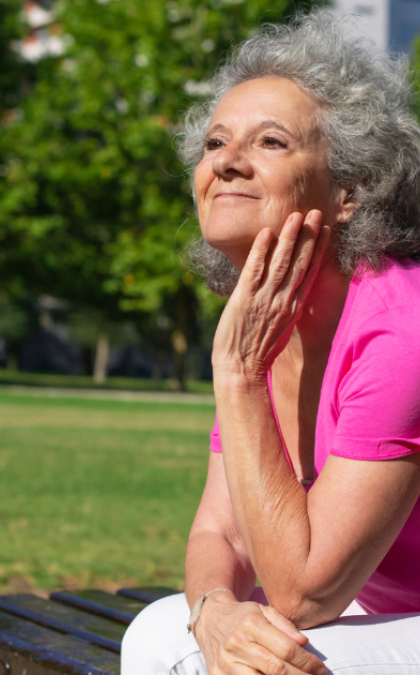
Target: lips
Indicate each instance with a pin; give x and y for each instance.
(240, 195)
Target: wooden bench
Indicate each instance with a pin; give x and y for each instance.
(77, 632)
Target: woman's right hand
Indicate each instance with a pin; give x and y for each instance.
(246, 638)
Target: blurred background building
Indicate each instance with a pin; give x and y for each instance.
(392, 24)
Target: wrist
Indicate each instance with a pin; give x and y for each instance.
(229, 386)
(225, 596)
(210, 608)
(239, 378)
(197, 608)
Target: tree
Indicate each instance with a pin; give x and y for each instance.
(95, 207)
(13, 70)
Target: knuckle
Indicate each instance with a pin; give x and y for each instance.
(289, 651)
(300, 267)
(296, 307)
(286, 310)
(273, 665)
(234, 641)
(281, 268)
(230, 644)
(250, 622)
(289, 238)
(310, 662)
(279, 668)
(255, 263)
(219, 666)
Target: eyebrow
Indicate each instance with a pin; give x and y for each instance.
(265, 124)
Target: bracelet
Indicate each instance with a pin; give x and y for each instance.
(196, 610)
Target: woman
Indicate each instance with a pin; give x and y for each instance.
(306, 181)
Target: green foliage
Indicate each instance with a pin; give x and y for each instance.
(94, 204)
(13, 320)
(415, 75)
(11, 70)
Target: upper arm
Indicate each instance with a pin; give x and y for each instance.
(371, 480)
(215, 512)
(356, 510)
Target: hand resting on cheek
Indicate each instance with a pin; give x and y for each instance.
(268, 301)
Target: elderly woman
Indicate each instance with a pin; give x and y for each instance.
(306, 181)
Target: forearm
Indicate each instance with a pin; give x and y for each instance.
(212, 562)
(270, 505)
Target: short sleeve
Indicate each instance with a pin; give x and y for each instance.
(215, 444)
(378, 398)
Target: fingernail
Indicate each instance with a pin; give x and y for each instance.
(321, 670)
(266, 233)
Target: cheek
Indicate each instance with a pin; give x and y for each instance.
(313, 188)
(289, 188)
(202, 178)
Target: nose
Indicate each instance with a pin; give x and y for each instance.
(232, 161)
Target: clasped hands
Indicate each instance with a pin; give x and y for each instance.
(268, 300)
(244, 638)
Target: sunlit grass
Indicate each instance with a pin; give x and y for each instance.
(98, 493)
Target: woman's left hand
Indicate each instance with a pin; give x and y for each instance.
(259, 318)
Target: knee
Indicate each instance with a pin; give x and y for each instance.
(131, 647)
(137, 642)
(153, 635)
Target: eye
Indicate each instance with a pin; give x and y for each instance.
(272, 142)
(213, 143)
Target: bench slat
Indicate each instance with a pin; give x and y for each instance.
(117, 608)
(23, 642)
(147, 594)
(92, 629)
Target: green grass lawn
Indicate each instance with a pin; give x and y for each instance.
(17, 377)
(98, 493)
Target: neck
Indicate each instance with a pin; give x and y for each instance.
(314, 332)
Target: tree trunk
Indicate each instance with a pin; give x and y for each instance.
(101, 358)
(180, 345)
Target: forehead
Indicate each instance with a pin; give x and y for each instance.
(279, 99)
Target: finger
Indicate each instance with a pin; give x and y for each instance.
(282, 254)
(303, 251)
(262, 660)
(242, 669)
(286, 649)
(321, 246)
(284, 624)
(253, 271)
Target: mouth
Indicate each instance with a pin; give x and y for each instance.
(234, 195)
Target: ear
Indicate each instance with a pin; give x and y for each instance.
(346, 205)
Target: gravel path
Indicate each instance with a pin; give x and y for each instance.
(106, 394)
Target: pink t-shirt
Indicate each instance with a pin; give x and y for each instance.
(369, 408)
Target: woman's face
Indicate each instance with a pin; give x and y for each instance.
(264, 159)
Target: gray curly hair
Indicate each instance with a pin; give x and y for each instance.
(374, 141)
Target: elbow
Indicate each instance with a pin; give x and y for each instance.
(305, 610)
(311, 597)
(311, 615)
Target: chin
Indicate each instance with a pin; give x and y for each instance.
(235, 250)
(229, 236)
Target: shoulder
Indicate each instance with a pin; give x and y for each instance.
(389, 297)
(378, 339)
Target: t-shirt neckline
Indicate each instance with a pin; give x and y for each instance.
(307, 483)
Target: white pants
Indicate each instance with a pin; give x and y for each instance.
(157, 643)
